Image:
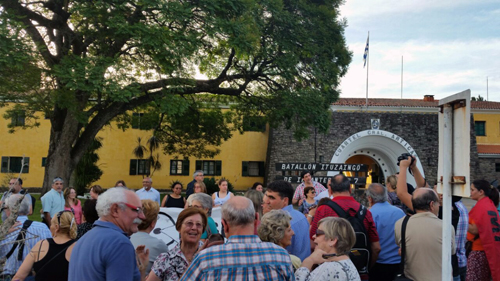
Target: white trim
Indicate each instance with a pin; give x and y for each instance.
(382, 146)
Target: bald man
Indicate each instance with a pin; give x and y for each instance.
(423, 237)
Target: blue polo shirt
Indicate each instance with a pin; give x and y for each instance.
(53, 202)
(385, 217)
(301, 244)
(104, 253)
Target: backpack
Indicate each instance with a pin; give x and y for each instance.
(360, 253)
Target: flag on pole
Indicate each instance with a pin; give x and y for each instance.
(366, 50)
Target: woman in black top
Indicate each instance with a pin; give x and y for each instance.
(175, 199)
(89, 216)
(50, 257)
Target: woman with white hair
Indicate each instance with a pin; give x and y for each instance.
(204, 202)
(334, 240)
(275, 228)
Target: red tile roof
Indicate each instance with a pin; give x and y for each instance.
(409, 103)
(488, 149)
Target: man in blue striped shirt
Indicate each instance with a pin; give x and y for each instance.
(35, 232)
(244, 256)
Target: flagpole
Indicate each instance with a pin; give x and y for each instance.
(367, 66)
(401, 83)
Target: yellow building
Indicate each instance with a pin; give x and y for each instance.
(241, 160)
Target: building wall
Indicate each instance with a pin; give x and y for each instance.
(116, 153)
(492, 128)
(419, 130)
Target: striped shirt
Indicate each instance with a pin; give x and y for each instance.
(461, 233)
(242, 257)
(36, 232)
(299, 191)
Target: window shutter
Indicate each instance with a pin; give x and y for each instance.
(185, 167)
(261, 169)
(133, 167)
(218, 168)
(244, 169)
(26, 168)
(199, 165)
(5, 164)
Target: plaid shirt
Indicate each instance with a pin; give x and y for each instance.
(36, 232)
(299, 191)
(242, 257)
(461, 233)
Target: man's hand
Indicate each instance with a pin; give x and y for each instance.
(301, 201)
(405, 163)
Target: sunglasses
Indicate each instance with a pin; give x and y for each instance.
(62, 212)
(319, 232)
(138, 210)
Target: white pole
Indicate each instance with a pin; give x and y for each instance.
(447, 177)
(367, 66)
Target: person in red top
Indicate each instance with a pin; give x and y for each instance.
(341, 191)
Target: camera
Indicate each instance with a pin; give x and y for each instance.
(405, 156)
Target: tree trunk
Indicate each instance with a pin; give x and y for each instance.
(60, 163)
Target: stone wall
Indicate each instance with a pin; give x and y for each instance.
(418, 129)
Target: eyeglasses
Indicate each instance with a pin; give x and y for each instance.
(312, 191)
(190, 224)
(62, 212)
(319, 232)
(138, 210)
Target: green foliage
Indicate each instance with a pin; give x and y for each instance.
(479, 98)
(212, 186)
(87, 63)
(87, 171)
(154, 157)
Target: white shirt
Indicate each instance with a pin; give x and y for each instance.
(323, 194)
(152, 194)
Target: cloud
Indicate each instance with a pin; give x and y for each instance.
(429, 68)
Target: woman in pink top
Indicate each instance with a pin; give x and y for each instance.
(73, 204)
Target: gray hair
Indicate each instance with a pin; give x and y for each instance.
(377, 192)
(204, 199)
(273, 226)
(238, 214)
(24, 207)
(111, 196)
(56, 179)
(198, 172)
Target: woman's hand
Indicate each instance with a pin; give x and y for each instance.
(142, 256)
(315, 258)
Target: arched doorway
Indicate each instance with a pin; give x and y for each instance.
(377, 148)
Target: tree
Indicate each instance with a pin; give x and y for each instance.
(87, 63)
(479, 98)
(153, 162)
(87, 171)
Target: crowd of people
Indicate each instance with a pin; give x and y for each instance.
(311, 232)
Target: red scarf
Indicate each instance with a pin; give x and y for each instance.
(485, 216)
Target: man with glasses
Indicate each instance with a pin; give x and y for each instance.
(148, 192)
(423, 237)
(105, 252)
(53, 201)
(15, 187)
(18, 244)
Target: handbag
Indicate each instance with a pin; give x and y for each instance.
(401, 276)
(468, 245)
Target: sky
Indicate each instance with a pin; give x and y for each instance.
(446, 46)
